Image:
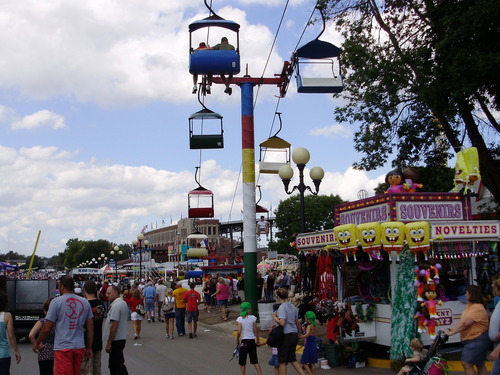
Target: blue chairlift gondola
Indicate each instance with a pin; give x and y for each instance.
(212, 62)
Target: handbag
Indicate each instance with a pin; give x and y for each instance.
(275, 336)
(140, 309)
(169, 306)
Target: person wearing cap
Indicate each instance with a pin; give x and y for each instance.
(225, 46)
(180, 309)
(247, 338)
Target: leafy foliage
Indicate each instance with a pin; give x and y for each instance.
(318, 216)
(421, 76)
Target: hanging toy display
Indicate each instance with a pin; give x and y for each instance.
(393, 237)
(346, 237)
(431, 305)
(370, 238)
(466, 171)
(418, 237)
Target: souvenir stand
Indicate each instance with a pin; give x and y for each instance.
(431, 250)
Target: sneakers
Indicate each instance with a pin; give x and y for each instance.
(167, 336)
(153, 319)
(181, 334)
(149, 320)
(190, 335)
(228, 90)
(171, 337)
(136, 337)
(194, 335)
(195, 89)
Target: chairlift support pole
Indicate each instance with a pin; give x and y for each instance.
(247, 84)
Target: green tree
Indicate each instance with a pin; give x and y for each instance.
(318, 216)
(420, 76)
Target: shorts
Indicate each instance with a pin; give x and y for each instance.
(68, 361)
(136, 316)
(170, 315)
(222, 302)
(248, 347)
(192, 316)
(150, 304)
(286, 351)
(475, 350)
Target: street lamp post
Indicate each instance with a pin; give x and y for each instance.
(300, 157)
(116, 250)
(140, 244)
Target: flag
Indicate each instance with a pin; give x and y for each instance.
(163, 222)
(143, 230)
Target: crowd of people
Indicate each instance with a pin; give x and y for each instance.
(87, 319)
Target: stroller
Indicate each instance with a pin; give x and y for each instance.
(433, 364)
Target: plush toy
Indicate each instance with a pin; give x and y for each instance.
(431, 303)
(411, 187)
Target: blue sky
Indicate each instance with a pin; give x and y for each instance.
(94, 102)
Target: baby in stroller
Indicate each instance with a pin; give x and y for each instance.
(430, 364)
(419, 355)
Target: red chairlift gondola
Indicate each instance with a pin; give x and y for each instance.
(200, 201)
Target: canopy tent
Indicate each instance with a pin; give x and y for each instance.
(8, 267)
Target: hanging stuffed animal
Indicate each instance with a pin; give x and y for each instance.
(418, 237)
(466, 171)
(393, 237)
(370, 238)
(347, 239)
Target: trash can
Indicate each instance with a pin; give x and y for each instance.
(334, 354)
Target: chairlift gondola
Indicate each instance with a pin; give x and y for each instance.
(206, 130)
(318, 66)
(200, 201)
(274, 152)
(210, 62)
(199, 250)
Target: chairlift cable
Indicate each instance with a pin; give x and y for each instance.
(271, 49)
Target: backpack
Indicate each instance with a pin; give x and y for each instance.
(275, 336)
(140, 309)
(168, 306)
(437, 366)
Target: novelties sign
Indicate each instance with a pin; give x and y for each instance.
(466, 230)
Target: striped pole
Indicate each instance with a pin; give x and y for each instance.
(248, 157)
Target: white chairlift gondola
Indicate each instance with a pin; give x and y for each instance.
(318, 66)
(274, 153)
(206, 130)
(198, 248)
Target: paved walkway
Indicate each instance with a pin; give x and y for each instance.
(379, 365)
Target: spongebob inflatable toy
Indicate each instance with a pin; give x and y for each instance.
(418, 237)
(393, 235)
(347, 239)
(370, 238)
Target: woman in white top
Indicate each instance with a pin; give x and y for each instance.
(247, 338)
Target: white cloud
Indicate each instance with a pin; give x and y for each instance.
(39, 119)
(332, 131)
(48, 190)
(111, 53)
